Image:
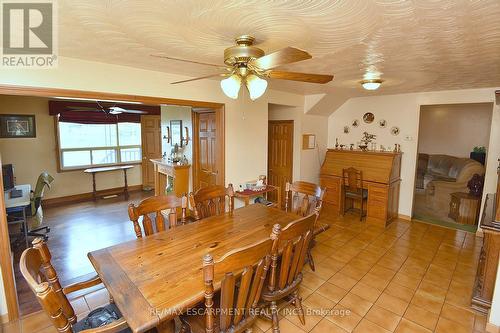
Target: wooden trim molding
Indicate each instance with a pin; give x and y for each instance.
(404, 217)
(56, 92)
(70, 199)
(9, 283)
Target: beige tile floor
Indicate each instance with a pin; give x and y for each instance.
(409, 277)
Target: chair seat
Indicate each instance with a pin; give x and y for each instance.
(356, 195)
(85, 323)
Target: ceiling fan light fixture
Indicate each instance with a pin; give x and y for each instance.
(231, 86)
(373, 84)
(256, 86)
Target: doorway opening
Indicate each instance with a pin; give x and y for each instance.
(74, 214)
(452, 145)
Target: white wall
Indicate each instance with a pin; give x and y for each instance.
(3, 304)
(454, 129)
(403, 110)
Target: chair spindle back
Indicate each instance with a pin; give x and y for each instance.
(37, 270)
(352, 180)
(303, 198)
(211, 201)
(157, 205)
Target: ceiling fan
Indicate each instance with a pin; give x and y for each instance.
(249, 64)
(114, 110)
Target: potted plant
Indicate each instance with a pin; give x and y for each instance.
(479, 154)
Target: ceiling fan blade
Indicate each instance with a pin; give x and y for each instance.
(118, 110)
(189, 61)
(201, 78)
(303, 77)
(284, 56)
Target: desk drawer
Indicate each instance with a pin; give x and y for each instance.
(332, 185)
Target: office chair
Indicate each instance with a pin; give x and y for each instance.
(35, 228)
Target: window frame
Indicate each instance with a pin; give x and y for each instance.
(117, 149)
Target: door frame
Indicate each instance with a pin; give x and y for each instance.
(5, 89)
(221, 145)
(292, 150)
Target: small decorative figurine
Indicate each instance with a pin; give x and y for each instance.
(475, 185)
(367, 138)
(395, 147)
(336, 143)
(351, 146)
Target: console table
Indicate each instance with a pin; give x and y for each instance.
(171, 178)
(93, 171)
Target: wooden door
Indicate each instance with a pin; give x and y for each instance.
(206, 169)
(280, 154)
(151, 147)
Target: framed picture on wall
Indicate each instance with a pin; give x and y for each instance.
(176, 132)
(17, 126)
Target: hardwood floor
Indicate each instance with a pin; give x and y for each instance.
(409, 277)
(77, 229)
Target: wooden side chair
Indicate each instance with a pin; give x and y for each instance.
(242, 273)
(286, 270)
(157, 205)
(42, 278)
(353, 189)
(303, 199)
(211, 201)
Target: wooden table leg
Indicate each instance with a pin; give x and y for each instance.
(94, 190)
(247, 201)
(125, 188)
(166, 327)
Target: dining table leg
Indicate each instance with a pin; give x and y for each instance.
(166, 327)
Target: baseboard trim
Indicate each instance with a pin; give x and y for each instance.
(491, 328)
(404, 217)
(82, 197)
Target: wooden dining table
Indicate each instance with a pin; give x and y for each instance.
(155, 278)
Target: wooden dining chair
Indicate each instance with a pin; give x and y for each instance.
(241, 273)
(211, 200)
(304, 198)
(286, 269)
(37, 270)
(157, 205)
(353, 189)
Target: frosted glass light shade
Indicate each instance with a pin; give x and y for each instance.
(231, 86)
(371, 84)
(256, 86)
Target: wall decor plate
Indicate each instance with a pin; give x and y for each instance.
(395, 130)
(346, 129)
(355, 123)
(382, 123)
(368, 117)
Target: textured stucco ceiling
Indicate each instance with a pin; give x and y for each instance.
(418, 45)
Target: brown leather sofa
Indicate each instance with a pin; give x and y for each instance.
(444, 175)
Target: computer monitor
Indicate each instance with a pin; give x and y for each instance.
(8, 177)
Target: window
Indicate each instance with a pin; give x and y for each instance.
(86, 145)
